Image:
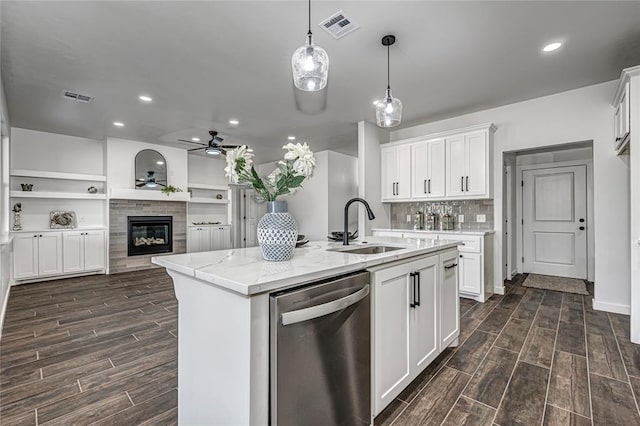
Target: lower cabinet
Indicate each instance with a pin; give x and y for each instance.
(208, 238)
(414, 304)
(83, 251)
(471, 273)
(36, 254)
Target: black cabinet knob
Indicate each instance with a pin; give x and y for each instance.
(581, 220)
(581, 228)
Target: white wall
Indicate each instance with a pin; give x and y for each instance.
(121, 154)
(369, 180)
(577, 115)
(343, 185)
(5, 245)
(635, 207)
(207, 170)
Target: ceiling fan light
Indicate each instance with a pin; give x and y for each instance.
(212, 151)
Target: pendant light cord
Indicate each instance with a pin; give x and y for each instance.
(309, 33)
(388, 69)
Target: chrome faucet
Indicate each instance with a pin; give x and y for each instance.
(345, 235)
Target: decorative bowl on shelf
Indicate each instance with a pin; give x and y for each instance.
(92, 190)
(219, 196)
(26, 186)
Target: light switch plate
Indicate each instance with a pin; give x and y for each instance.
(460, 218)
(408, 218)
(481, 218)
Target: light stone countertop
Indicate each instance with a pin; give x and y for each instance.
(424, 231)
(244, 271)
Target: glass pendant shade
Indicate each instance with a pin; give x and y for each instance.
(310, 66)
(388, 111)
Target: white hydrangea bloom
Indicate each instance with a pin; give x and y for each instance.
(303, 160)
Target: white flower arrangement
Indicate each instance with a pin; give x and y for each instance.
(297, 166)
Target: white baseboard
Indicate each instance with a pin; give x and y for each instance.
(612, 307)
(4, 310)
(498, 290)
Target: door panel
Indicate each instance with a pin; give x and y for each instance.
(436, 163)
(73, 246)
(470, 273)
(25, 256)
(476, 147)
(94, 256)
(419, 169)
(554, 209)
(449, 300)
(403, 185)
(456, 169)
(389, 172)
(424, 317)
(50, 253)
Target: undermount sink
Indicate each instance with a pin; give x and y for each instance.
(377, 249)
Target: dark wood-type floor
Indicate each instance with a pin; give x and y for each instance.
(530, 357)
(103, 349)
(92, 350)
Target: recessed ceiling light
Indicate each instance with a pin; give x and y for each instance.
(118, 123)
(552, 46)
(145, 98)
(195, 139)
(159, 163)
(291, 138)
(234, 122)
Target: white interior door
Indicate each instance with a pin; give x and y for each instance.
(554, 207)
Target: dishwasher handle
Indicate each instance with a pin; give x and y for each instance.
(317, 311)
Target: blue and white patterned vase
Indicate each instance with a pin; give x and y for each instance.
(277, 232)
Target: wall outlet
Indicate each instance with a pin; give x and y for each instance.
(481, 218)
(460, 218)
(408, 218)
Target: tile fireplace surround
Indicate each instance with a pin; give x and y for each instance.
(119, 210)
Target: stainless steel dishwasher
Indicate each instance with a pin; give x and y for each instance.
(321, 354)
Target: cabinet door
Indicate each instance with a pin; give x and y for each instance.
(50, 253)
(449, 299)
(73, 252)
(220, 238)
(206, 239)
(226, 238)
(392, 368)
(389, 172)
(436, 169)
(419, 170)
(403, 180)
(94, 250)
(476, 159)
(25, 256)
(424, 316)
(470, 273)
(193, 240)
(252, 217)
(455, 162)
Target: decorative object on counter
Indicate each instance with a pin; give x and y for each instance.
(207, 223)
(302, 240)
(388, 109)
(219, 197)
(62, 220)
(27, 187)
(170, 189)
(310, 64)
(277, 230)
(418, 220)
(432, 221)
(17, 208)
(92, 190)
(447, 222)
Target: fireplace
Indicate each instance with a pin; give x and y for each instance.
(149, 235)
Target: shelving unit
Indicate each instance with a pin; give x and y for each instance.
(61, 195)
(203, 206)
(206, 186)
(57, 175)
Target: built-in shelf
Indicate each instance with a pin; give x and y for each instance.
(207, 186)
(63, 195)
(79, 228)
(57, 175)
(203, 200)
(140, 194)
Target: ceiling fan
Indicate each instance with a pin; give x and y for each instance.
(214, 147)
(149, 182)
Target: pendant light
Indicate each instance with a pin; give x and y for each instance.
(310, 64)
(388, 109)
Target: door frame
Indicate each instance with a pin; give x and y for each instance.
(589, 219)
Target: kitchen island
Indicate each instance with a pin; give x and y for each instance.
(223, 318)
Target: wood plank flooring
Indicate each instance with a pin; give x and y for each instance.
(91, 350)
(530, 357)
(103, 350)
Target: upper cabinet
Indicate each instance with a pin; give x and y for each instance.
(622, 107)
(396, 173)
(449, 165)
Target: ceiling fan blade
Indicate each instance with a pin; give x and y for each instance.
(138, 185)
(229, 146)
(195, 143)
(195, 149)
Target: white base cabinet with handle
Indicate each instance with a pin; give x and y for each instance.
(83, 251)
(408, 320)
(208, 238)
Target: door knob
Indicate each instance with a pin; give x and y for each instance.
(581, 228)
(581, 220)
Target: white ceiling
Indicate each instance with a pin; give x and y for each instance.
(206, 62)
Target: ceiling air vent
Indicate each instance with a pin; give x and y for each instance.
(338, 25)
(72, 96)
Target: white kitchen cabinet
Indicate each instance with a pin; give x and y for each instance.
(449, 318)
(37, 254)
(406, 330)
(220, 238)
(83, 251)
(470, 273)
(428, 169)
(468, 165)
(207, 238)
(396, 173)
(622, 118)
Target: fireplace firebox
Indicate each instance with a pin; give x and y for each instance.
(149, 235)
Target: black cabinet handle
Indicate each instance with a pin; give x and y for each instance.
(40, 235)
(467, 183)
(462, 183)
(413, 283)
(453, 265)
(581, 228)
(425, 186)
(397, 188)
(417, 302)
(429, 186)
(581, 220)
(617, 139)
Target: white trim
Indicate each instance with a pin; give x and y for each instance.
(4, 309)
(612, 307)
(484, 126)
(204, 200)
(207, 186)
(625, 76)
(57, 175)
(137, 194)
(59, 195)
(498, 290)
